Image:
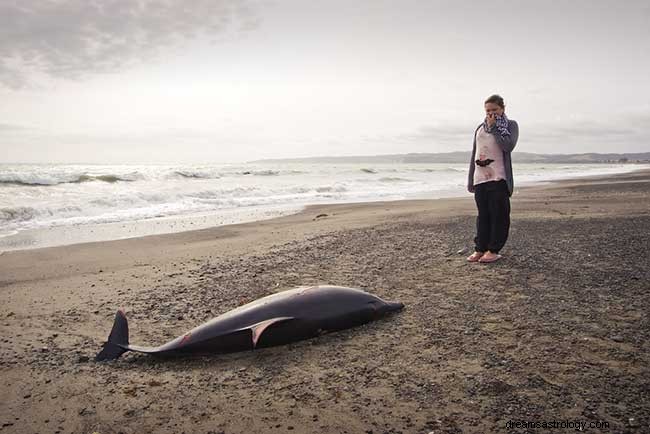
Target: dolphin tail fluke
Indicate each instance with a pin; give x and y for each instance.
(118, 340)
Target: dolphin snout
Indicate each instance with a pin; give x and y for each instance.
(394, 306)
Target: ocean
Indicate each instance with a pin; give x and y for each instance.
(50, 204)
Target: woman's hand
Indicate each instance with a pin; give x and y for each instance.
(491, 119)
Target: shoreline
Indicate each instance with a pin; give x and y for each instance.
(258, 235)
(67, 235)
(556, 330)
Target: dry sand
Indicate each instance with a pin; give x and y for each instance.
(559, 329)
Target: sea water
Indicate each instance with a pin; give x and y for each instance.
(49, 204)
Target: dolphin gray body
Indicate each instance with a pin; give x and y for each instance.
(295, 314)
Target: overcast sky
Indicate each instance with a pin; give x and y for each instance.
(122, 81)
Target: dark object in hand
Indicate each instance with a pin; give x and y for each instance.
(484, 163)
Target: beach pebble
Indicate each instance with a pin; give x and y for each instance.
(85, 411)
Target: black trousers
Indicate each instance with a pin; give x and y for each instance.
(493, 220)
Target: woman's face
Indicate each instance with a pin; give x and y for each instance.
(491, 107)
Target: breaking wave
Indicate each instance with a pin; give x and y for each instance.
(45, 182)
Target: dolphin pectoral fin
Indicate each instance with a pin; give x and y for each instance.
(259, 328)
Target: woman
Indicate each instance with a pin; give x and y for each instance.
(490, 179)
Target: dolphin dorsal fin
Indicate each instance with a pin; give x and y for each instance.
(258, 328)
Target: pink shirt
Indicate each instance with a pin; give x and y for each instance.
(487, 147)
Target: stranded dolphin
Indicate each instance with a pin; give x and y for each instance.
(287, 316)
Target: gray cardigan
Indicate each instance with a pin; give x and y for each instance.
(507, 144)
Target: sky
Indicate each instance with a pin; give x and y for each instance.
(217, 81)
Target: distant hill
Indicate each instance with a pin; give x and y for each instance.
(463, 157)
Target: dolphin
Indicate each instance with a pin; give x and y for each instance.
(287, 316)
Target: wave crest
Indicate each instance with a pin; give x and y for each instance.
(48, 182)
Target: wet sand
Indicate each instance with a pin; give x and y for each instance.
(559, 329)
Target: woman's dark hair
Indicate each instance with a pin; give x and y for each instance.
(496, 99)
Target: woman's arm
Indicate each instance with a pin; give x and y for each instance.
(507, 142)
(470, 175)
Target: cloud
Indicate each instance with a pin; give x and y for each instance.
(441, 132)
(585, 130)
(12, 128)
(72, 39)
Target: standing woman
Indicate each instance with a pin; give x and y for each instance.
(490, 179)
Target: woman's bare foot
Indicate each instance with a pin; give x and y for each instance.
(474, 257)
(489, 257)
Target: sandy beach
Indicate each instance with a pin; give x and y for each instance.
(558, 330)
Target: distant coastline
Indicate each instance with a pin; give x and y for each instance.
(463, 156)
